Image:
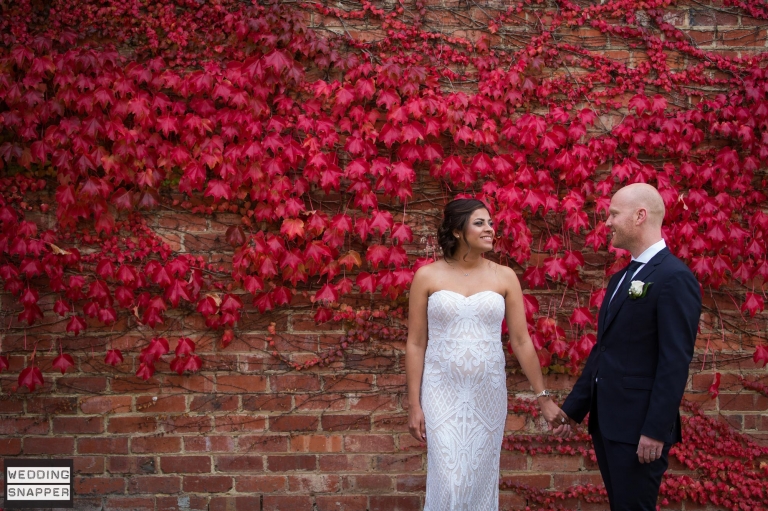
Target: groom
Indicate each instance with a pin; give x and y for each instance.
(635, 376)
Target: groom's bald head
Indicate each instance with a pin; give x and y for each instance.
(644, 196)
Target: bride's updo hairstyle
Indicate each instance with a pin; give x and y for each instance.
(455, 218)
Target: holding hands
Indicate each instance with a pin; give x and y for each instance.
(560, 424)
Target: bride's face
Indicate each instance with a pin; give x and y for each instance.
(478, 234)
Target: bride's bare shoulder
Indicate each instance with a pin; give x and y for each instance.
(506, 274)
(430, 268)
(502, 269)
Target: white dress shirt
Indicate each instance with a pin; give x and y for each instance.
(643, 258)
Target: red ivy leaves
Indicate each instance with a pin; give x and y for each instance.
(316, 172)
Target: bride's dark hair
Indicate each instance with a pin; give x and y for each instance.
(455, 218)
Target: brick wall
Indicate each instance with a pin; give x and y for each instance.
(247, 433)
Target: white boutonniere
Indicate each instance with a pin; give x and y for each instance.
(638, 289)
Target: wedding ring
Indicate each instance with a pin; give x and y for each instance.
(562, 419)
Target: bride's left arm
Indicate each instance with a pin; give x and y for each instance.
(524, 350)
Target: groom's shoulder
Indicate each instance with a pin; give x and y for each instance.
(674, 265)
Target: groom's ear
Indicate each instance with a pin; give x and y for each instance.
(641, 216)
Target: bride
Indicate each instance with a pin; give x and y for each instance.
(454, 362)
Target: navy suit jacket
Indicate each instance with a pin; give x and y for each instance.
(642, 356)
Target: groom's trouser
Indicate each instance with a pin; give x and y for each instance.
(631, 485)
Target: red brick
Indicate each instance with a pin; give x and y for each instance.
(241, 384)
(368, 482)
(214, 403)
(239, 463)
(261, 484)
(140, 445)
(209, 444)
(369, 443)
(48, 445)
(712, 17)
(341, 502)
(102, 445)
(98, 485)
(105, 404)
(133, 424)
(154, 484)
(551, 463)
(185, 223)
(294, 423)
(84, 384)
(130, 503)
(373, 403)
(173, 384)
(370, 362)
(78, 425)
(346, 422)
(296, 343)
(749, 21)
(286, 503)
(161, 404)
(410, 483)
(239, 503)
(734, 421)
(133, 384)
(51, 405)
(88, 464)
(348, 382)
(301, 383)
(512, 501)
(10, 446)
(131, 465)
(398, 462)
(185, 464)
(267, 403)
(207, 484)
(390, 422)
(513, 461)
(394, 503)
(11, 406)
(705, 37)
(535, 480)
(740, 402)
(324, 402)
(292, 462)
(316, 443)
(235, 423)
(314, 483)
(565, 481)
(23, 426)
(185, 502)
(188, 424)
(262, 443)
(751, 37)
(344, 463)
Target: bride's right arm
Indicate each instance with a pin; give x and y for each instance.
(415, 348)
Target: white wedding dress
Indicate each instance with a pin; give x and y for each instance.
(464, 398)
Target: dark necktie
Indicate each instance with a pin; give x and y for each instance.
(623, 290)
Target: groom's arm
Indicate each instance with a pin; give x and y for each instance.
(578, 402)
(678, 312)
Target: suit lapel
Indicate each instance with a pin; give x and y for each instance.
(607, 300)
(642, 275)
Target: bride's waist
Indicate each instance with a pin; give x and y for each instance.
(463, 339)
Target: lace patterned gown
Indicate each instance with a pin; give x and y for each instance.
(464, 398)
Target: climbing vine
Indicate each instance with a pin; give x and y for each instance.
(327, 137)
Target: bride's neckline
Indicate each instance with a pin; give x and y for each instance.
(465, 296)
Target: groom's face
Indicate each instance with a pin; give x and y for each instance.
(620, 221)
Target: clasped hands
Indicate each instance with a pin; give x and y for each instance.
(560, 424)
